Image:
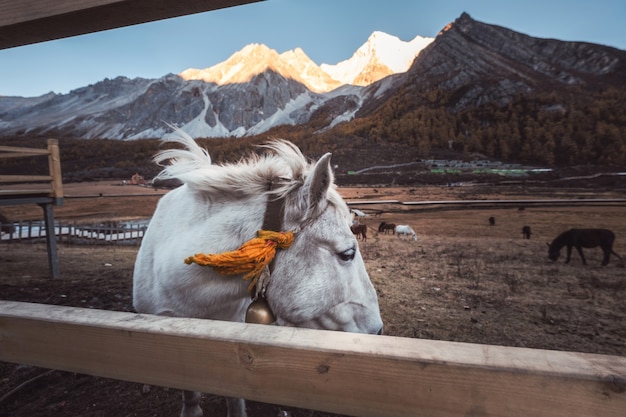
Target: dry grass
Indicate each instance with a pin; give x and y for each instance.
(463, 280)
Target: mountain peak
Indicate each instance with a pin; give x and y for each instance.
(244, 64)
(381, 55)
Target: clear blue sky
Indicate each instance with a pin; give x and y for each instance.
(328, 31)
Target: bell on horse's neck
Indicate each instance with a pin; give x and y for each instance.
(259, 312)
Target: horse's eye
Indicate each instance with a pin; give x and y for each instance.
(347, 255)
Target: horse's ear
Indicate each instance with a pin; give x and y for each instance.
(318, 183)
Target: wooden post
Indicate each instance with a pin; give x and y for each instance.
(54, 163)
(53, 258)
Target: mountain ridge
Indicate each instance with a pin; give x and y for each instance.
(252, 91)
(476, 87)
(381, 55)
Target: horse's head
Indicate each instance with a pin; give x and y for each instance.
(553, 251)
(321, 281)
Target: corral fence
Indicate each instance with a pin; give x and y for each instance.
(344, 373)
(47, 193)
(107, 233)
(487, 204)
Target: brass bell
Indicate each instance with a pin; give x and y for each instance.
(259, 312)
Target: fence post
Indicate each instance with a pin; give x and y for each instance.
(53, 259)
(54, 163)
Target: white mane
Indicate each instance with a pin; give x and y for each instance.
(284, 166)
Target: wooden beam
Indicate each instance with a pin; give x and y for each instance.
(24, 22)
(54, 164)
(25, 178)
(345, 373)
(20, 152)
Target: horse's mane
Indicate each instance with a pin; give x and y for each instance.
(283, 166)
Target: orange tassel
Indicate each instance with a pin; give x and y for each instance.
(249, 259)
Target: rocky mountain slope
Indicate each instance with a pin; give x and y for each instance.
(486, 63)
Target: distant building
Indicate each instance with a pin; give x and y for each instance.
(137, 180)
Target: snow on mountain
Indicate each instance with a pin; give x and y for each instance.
(380, 56)
(309, 73)
(256, 58)
(239, 68)
(249, 93)
(379, 52)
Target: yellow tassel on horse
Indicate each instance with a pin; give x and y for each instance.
(249, 259)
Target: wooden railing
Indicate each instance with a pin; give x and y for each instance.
(44, 190)
(346, 373)
(49, 186)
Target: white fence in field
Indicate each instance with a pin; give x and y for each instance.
(345, 373)
(117, 233)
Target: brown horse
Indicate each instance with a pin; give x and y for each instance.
(583, 238)
(359, 230)
(386, 227)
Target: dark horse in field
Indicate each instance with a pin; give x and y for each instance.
(583, 238)
(385, 227)
(359, 230)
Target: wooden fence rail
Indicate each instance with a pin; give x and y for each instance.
(346, 373)
(47, 193)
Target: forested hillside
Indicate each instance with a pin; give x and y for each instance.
(530, 129)
(533, 129)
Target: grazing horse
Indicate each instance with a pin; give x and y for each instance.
(359, 230)
(583, 238)
(386, 227)
(526, 232)
(318, 282)
(403, 229)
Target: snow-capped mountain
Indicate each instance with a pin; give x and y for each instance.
(252, 91)
(380, 56)
(257, 88)
(377, 58)
(254, 59)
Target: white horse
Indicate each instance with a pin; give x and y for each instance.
(319, 282)
(403, 229)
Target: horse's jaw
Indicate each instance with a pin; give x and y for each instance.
(344, 317)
